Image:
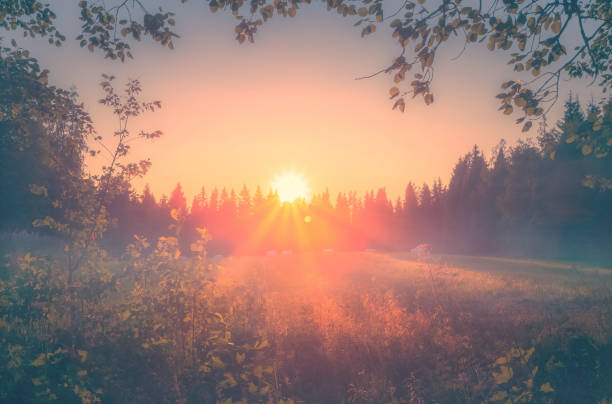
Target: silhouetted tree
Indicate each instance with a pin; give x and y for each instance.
(177, 199)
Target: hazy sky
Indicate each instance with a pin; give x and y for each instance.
(240, 114)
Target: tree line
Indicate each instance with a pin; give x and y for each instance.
(544, 197)
(540, 197)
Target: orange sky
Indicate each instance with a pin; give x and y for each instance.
(240, 114)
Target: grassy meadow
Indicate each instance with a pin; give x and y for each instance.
(390, 328)
(335, 327)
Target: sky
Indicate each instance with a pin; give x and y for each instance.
(242, 114)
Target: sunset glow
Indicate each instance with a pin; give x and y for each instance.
(291, 186)
(263, 202)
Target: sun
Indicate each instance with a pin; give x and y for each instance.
(291, 186)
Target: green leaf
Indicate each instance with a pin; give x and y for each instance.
(571, 139)
(546, 388)
(230, 380)
(501, 361)
(400, 104)
(500, 395)
(216, 362)
(82, 354)
(368, 30)
(505, 374)
(527, 126)
(597, 125)
(556, 26)
(39, 361)
(39, 190)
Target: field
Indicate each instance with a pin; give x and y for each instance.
(305, 328)
(369, 327)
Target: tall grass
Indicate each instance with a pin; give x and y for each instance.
(155, 326)
(375, 328)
